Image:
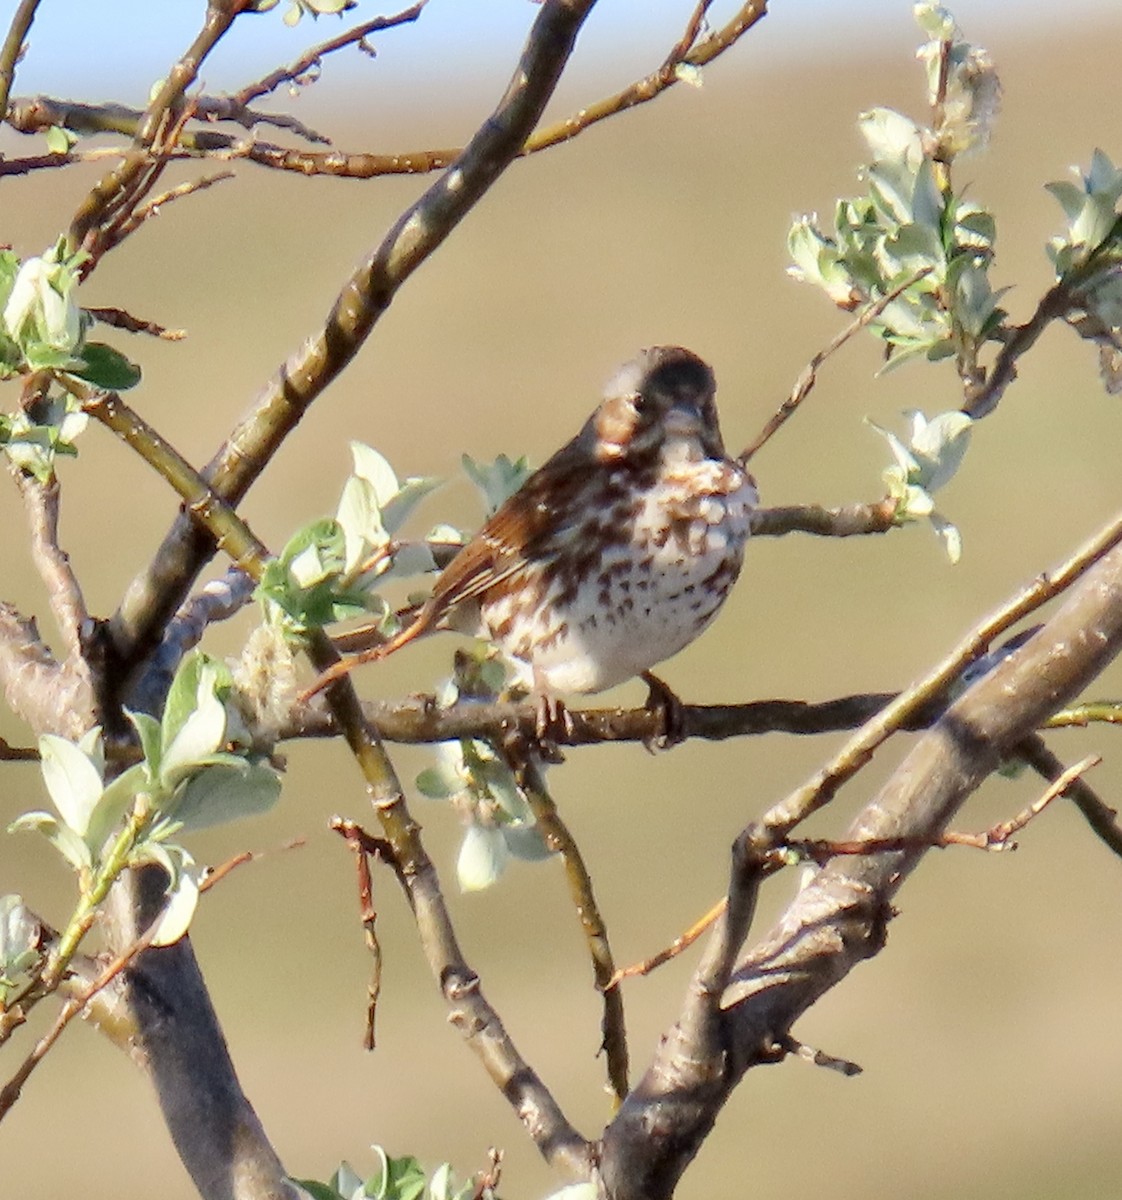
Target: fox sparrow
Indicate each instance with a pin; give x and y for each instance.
(616, 553)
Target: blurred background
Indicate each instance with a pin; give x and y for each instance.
(989, 1029)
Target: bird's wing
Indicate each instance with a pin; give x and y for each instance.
(510, 538)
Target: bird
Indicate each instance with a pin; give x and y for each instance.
(611, 557)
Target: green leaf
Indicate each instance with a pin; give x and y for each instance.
(180, 905)
(106, 368)
(482, 859)
(197, 741)
(72, 779)
(498, 481)
(435, 783)
(59, 140)
(150, 733)
(19, 936)
(315, 1189)
(224, 792)
(396, 510)
(61, 836)
(116, 800)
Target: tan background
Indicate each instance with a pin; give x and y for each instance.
(989, 1030)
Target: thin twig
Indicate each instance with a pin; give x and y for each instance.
(558, 837)
(146, 211)
(313, 57)
(809, 375)
(1089, 712)
(682, 942)
(118, 318)
(666, 76)
(1098, 814)
(849, 520)
(818, 1058)
(362, 845)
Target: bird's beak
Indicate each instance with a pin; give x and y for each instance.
(683, 421)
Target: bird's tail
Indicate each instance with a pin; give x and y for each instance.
(366, 652)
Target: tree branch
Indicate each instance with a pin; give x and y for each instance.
(41, 500)
(817, 792)
(312, 59)
(839, 918)
(469, 1011)
(12, 47)
(558, 838)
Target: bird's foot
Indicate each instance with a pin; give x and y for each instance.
(671, 718)
(552, 723)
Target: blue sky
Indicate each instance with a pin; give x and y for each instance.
(112, 47)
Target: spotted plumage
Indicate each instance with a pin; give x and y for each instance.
(616, 553)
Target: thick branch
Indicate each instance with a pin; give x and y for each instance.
(179, 1043)
(839, 918)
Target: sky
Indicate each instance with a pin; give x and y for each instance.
(110, 48)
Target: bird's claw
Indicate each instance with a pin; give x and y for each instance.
(662, 701)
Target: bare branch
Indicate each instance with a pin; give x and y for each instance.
(804, 385)
(859, 749)
(362, 846)
(30, 115)
(839, 918)
(64, 594)
(50, 698)
(696, 54)
(119, 319)
(314, 57)
(1101, 818)
(559, 838)
(469, 1011)
(847, 521)
(151, 208)
(13, 47)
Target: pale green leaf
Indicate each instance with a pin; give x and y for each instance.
(483, 857)
(225, 792)
(72, 780)
(61, 836)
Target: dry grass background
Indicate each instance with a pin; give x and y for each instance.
(989, 1029)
